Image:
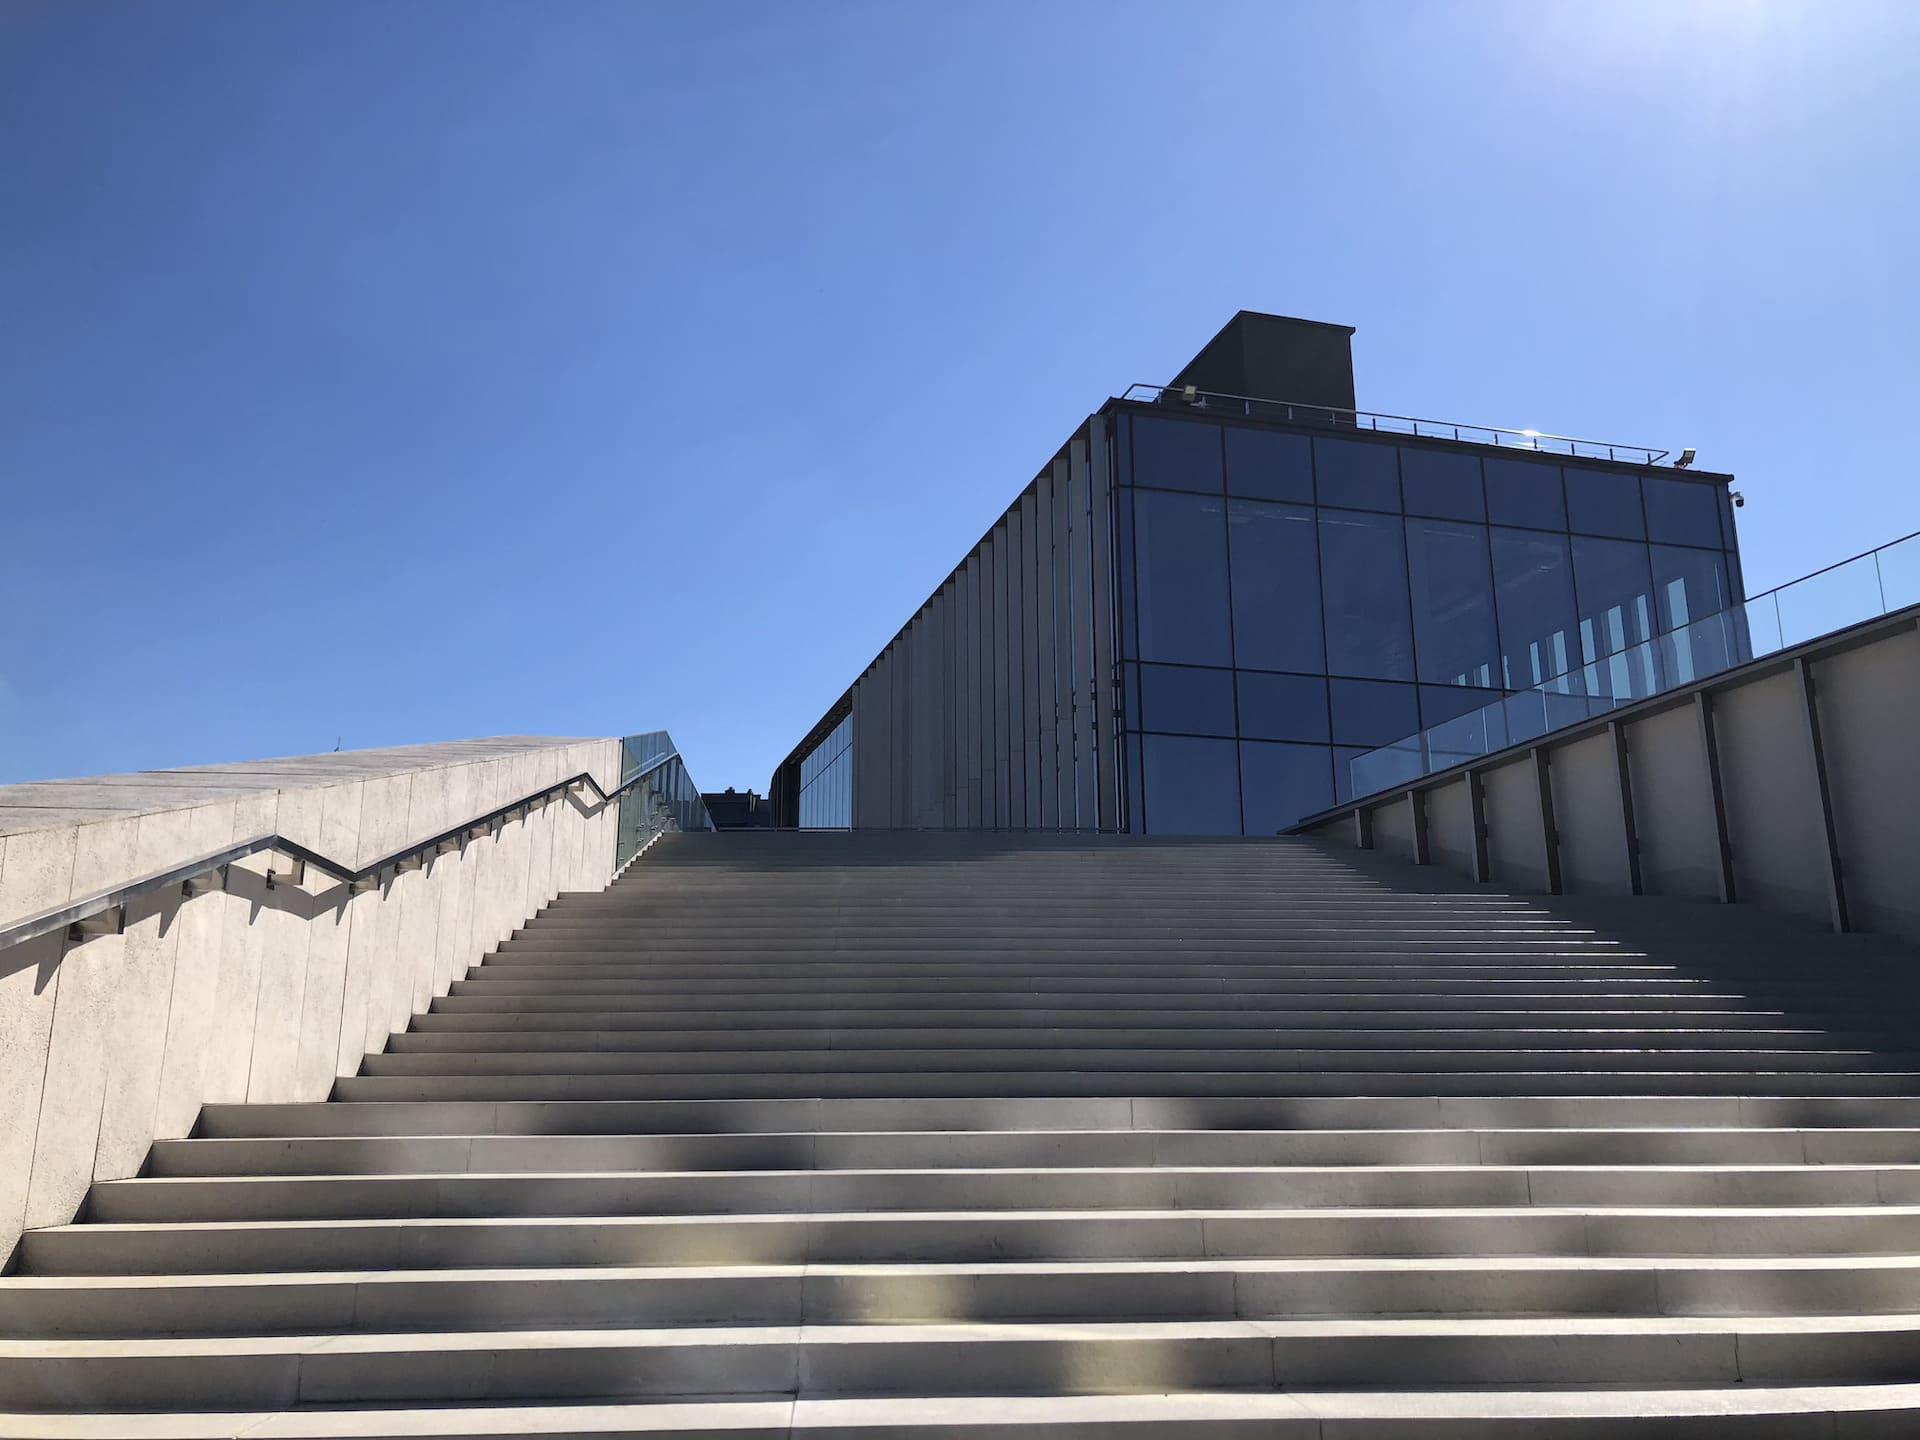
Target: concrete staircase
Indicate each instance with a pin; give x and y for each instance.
(945, 1135)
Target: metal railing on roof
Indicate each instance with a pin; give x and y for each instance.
(1254, 408)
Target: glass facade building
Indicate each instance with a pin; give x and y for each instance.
(1208, 606)
(1290, 600)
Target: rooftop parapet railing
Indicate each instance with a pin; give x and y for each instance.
(1294, 412)
(1851, 592)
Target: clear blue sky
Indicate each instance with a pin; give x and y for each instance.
(408, 371)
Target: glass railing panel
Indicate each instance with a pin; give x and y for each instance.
(1900, 573)
(665, 798)
(1829, 601)
(1858, 590)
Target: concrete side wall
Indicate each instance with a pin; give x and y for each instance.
(1866, 697)
(251, 993)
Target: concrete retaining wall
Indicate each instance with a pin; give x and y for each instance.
(1866, 688)
(253, 993)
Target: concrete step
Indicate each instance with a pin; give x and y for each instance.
(928, 1237)
(948, 1035)
(1070, 1083)
(1491, 1058)
(826, 1294)
(855, 1150)
(1034, 1357)
(807, 1191)
(585, 1023)
(1699, 1411)
(1026, 1113)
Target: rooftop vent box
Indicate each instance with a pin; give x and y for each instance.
(1275, 357)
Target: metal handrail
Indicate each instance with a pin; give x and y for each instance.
(209, 872)
(1440, 429)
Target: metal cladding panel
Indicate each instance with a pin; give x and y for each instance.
(1047, 767)
(997, 661)
(1100, 503)
(1086, 784)
(1030, 590)
(1015, 667)
(966, 767)
(989, 682)
(1064, 805)
(949, 715)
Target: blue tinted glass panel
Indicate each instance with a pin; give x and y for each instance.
(1180, 550)
(1525, 492)
(1269, 465)
(1192, 786)
(1688, 585)
(1363, 586)
(1454, 633)
(1600, 502)
(1356, 473)
(1533, 592)
(1368, 713)
(1442, 483)
(1282, 707)
(1185, 700)
(1176, 454)
(1281, 784)
(1440, 703)
(1682, 512)
(1276, 587)
(1343, 758)
(1614, 590)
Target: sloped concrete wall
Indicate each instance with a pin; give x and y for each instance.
(110, 1042)
(1866, 688)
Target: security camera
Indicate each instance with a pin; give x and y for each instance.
(1739, 500)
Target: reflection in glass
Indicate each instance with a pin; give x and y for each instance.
(826, 781)
(1276, 587)
(1454, 633)
(1192, 786)
(1180, 545)
(1363, 584)
(1533, 589)
(1281, 784)
(1176, 454)
(1524, 492)
(1689, 585)
(1614, 590)
(1269, 465)
(1363, 475)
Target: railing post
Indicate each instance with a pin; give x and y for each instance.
(1716, 793)
(1629, 831)
(1549, 834)
(1477, 813)
(1829, 832)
